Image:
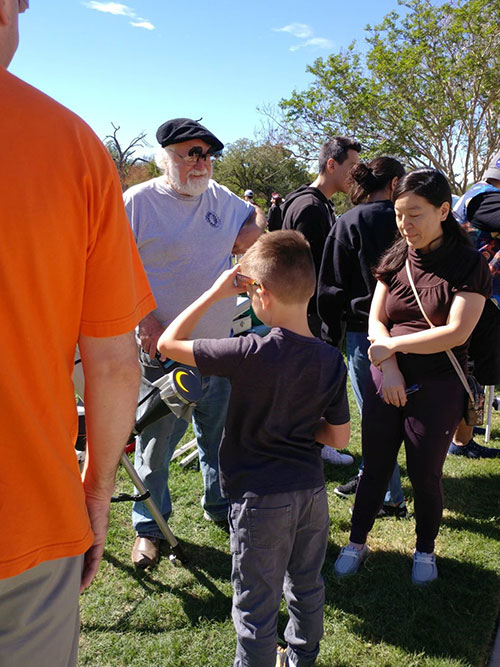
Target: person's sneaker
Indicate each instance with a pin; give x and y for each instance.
(347, 489)
(336, 458)
(349, 560)
(400, 511)
(424, 568)
(222, 522)
(472, 450)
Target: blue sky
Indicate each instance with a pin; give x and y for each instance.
(141, 62)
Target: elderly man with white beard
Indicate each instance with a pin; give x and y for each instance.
(186, 227)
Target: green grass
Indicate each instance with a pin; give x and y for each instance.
(177, 615)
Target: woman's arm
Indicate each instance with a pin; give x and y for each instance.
(378, 320)
(393, 382)
(465, 311)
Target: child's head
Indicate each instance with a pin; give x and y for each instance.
(282, 262)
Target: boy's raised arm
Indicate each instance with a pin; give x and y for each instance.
(174, 342)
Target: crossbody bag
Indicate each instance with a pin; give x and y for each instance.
(474, 400)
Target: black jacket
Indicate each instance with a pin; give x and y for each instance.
(308, 211)
(346, 283)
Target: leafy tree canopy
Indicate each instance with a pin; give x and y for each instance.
(262, 167)
(426, 90)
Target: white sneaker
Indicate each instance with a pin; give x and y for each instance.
(335, 457)
(424, 568)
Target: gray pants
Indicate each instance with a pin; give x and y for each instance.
(39, 615)
(278, 545)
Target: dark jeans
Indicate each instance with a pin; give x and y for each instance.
(426, 426)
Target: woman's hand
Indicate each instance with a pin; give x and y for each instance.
(381, 349)
(393, 386)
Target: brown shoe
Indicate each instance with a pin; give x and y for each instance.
(146, 552)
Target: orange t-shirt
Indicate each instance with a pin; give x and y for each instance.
(68, 266)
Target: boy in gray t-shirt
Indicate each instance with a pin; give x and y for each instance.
(288, 395)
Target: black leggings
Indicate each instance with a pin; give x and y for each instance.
(426, 426)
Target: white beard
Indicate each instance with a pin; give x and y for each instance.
(195, 185)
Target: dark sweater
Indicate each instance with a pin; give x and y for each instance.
(438, 275)
(307, 210)
(346, 283)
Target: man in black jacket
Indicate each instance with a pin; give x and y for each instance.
(309, 209)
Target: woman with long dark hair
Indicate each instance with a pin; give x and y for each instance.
(452, 281)
(346, 284)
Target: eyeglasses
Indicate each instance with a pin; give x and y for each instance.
(195, 154)
(245, 281)
(23, 5)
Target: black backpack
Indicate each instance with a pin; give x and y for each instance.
(484, 345)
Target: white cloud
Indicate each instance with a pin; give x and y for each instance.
(304, 32)
(142, 23)
(118, 9)
(300, 30)
(319, 42)
(115, 8)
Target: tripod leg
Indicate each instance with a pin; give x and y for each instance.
(155, 512)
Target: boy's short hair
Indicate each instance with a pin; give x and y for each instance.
(337, 149)
(283, 263)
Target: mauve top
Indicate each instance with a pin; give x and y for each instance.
(438, 275)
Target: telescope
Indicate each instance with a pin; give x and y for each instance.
(177, 391)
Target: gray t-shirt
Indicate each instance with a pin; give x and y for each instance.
(185, 243)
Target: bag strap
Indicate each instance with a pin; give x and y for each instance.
(450, 354)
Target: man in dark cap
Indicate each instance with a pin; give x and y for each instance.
(187, 227)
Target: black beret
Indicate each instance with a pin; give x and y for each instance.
(183, 129)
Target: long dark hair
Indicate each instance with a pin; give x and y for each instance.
(433, 186)
(369, 177)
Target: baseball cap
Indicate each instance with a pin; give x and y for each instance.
(493, 170)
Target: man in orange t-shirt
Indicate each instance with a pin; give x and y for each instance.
(70, 273)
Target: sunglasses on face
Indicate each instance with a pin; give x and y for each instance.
(23, 5)
(244, 281)
(196, 153)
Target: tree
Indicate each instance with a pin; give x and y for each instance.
(262, 167)
(427, 90)
(124, 159)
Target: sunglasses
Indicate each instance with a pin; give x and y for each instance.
(196, 153)
(244, 281)
(23, 5)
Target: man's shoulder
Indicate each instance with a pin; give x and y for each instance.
(152, 186)
(302, 202)
(218, 191)
(24, 100)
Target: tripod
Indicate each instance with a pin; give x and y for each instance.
(177, 391)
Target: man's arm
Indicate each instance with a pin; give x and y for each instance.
(112, 379)
(250, 232)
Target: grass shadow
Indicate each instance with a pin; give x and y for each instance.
(206, 565)
(434, 620)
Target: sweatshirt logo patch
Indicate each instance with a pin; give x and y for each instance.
(212, 219)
